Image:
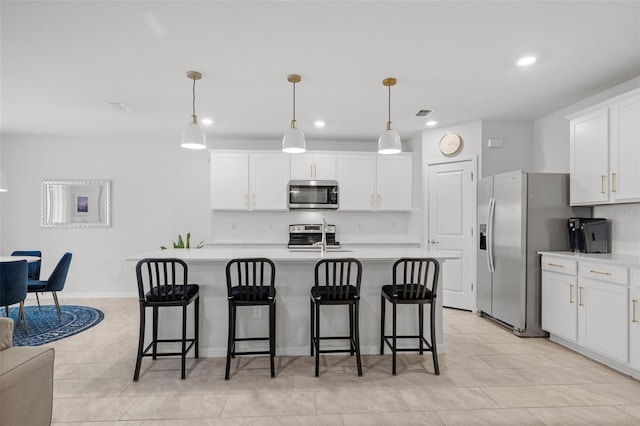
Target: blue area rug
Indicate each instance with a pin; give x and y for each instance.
(45, 327)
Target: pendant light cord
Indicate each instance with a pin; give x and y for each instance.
(294, 101)
(389, 103)
(194, 97)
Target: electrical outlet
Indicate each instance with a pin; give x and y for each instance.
(118, 271)
(257, 312)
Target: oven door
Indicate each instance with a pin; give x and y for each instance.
(313, 194)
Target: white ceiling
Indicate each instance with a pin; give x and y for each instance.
(63, 60)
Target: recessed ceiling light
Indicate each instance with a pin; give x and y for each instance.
(319, 123)
(207, 121)
(526, 60)
(431, 123)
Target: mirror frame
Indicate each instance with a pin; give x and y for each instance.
(82, 203)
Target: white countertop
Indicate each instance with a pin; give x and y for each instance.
(622, 259)
(285, 255)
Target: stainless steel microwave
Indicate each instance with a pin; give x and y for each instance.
(313, 194)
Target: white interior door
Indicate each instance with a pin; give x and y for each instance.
(451, 211)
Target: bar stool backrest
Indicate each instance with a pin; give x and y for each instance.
(337, 275)
(254, 277)
(161, 280)
(422, 273)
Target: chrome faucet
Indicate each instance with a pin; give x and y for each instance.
(323, 243)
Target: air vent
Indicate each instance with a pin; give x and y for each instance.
(119, 106)
(424, 113)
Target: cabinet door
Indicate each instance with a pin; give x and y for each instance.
(324, 166)
(356, 181)
(302, 166)
(393, 182)
(625, 150)
(634, 327)
(559, 305)
(603, 318)
(269, 175)
(589, 146)
(229, 181)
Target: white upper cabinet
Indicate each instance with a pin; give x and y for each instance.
(393, 182)
(229, 181)
(242, 181)
(374, 182)
(313, 166)
(357, 181)
(269, 176)
(605, 152)
(625, 150)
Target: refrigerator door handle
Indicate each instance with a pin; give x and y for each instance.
(492, 207)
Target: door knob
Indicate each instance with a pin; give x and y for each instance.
(432, 241)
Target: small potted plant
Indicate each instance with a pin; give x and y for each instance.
(181, 244)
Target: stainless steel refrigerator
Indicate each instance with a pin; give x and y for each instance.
(519, 214)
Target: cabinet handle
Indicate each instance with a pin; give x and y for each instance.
(593, 271)
(246, 200)
(613, 182)
(571, 294)
(315, 170)
(311, 166)
(602, 178)
(634, 303)
(580, 296)
(555, 264)
(379, 200)
(254, 199)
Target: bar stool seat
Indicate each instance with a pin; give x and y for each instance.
(415, 282)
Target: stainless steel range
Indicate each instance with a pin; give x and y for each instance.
(309, 236)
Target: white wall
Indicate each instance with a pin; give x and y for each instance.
(471, 134)
(516, 150)
(158, 191)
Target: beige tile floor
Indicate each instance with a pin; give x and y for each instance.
(488, 376)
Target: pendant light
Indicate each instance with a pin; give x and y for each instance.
(193, 136)
(389, 141)
(293, 140)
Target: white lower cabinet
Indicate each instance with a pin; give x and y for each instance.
(602, 318)
(591, 307)
(559, 305)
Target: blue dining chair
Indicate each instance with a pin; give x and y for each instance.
(13, 287)
(55, 283)
(33, 267)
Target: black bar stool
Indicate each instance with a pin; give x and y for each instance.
(251, 282)
(164, 283)
(337, 282)
(415, 282)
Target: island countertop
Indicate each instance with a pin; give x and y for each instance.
(298, 255)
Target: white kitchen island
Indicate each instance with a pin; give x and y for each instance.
(294, 279)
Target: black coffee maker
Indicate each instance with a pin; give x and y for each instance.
(588, 235)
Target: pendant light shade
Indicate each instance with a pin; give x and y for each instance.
(293, 141)
(389, 141)
(193, 136)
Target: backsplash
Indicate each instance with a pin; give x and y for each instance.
(352, 227)
(624, 226)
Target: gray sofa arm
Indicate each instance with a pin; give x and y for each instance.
(26, 382)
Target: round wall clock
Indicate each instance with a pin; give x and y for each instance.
(450, 144)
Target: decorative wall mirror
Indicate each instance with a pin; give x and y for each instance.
(82, 203)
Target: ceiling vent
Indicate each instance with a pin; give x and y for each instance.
(119, 106)
(424, 113)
